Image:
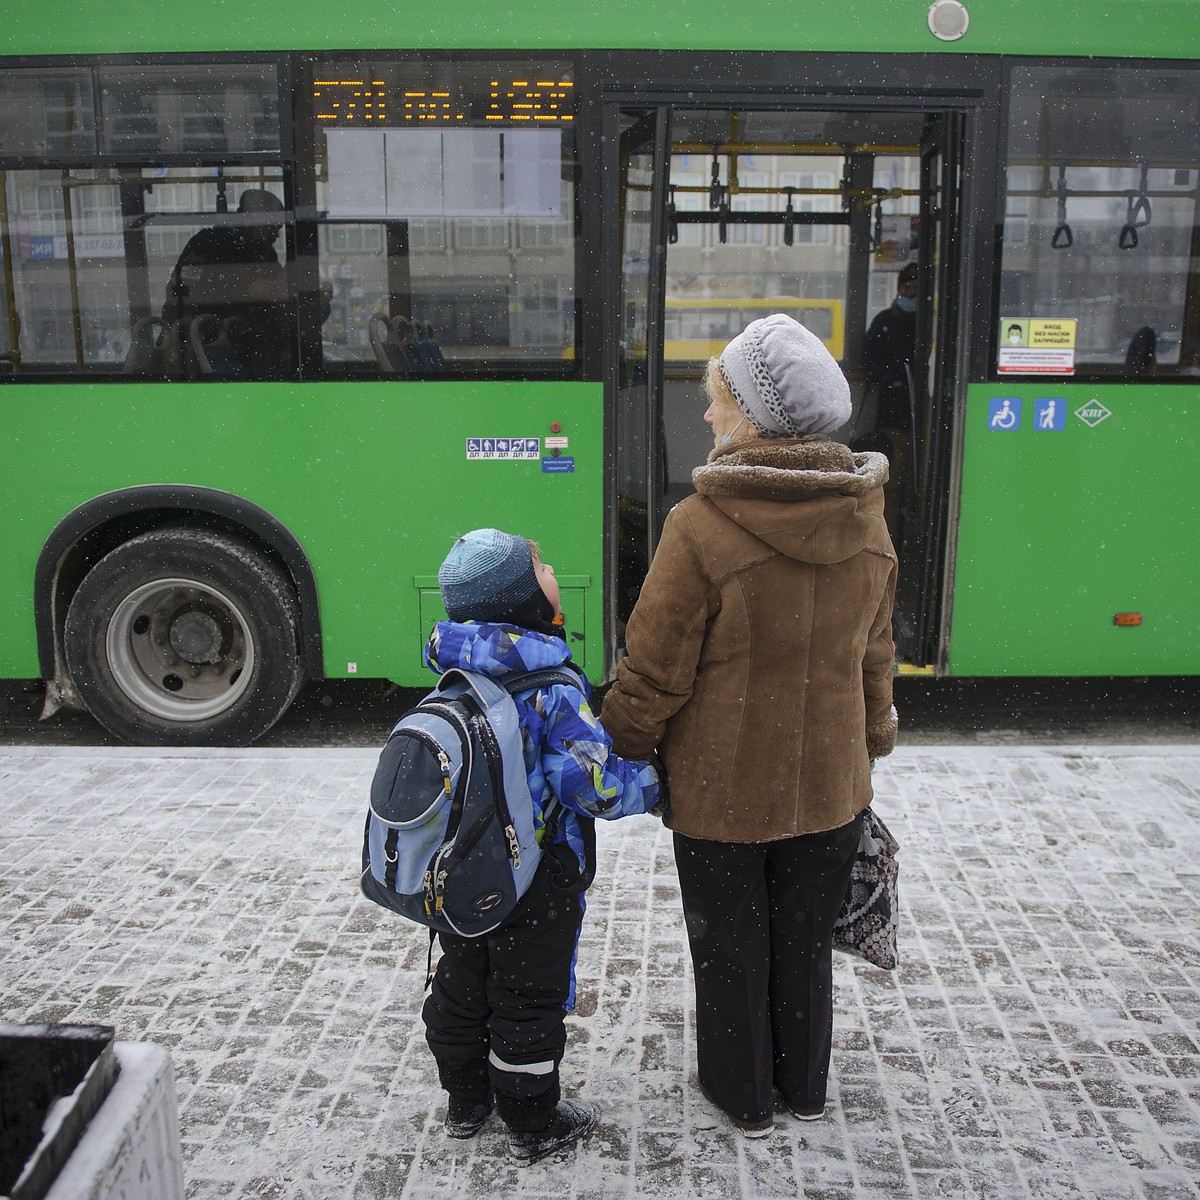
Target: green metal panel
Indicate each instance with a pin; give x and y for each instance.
(1153, 28)
(372, 479)
(1061, 530)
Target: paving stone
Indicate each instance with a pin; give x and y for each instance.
(1041, 1038)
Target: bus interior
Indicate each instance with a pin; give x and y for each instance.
(729, 214)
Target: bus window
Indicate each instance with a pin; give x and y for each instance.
(55, 302)
(117, 263)
(698, 329)
(818, 321)
(1100, 218)
(226, 108)
(47, 112)
(446, 215)
(226, 303)
(807, 182)
(730, 265)
(96, 294)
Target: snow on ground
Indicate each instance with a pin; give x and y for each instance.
(1041, 1038)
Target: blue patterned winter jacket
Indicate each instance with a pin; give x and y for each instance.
(567, 753)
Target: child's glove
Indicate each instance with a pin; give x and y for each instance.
(660, 769)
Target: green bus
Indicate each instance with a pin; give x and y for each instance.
(456, 231)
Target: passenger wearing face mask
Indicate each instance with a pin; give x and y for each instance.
(887, 348)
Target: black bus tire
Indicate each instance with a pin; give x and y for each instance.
(184, 637)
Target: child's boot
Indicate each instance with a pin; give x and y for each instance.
(571, 1120)
(470, 1097)
(465, 1118)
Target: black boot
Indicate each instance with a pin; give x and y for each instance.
(572, 1119)
(470, 1093)
(465, 1118)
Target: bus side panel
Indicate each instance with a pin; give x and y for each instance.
(877, 26)
(373, 479)
(1064, 528)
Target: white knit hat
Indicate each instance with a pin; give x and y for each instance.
(784, 379)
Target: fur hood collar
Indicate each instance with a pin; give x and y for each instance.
(808, 498)
(789, 469)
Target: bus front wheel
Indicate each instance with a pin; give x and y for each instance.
(184, 637)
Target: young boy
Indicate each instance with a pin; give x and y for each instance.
(494, 1017)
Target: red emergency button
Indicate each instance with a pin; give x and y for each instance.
(556, 427)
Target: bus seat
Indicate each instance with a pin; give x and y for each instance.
(215, 353)
(144, 356)
(389, 342)
(428, 352)
(378, 331)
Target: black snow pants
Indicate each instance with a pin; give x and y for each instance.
(760, 922)
(495, 1015)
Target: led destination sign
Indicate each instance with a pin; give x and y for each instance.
(443, 94)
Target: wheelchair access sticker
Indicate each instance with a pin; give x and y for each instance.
(1004, 413)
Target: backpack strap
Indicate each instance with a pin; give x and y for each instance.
(570, 882)
(567, 674)
(486, 686)
(429, 958)
(484, 691)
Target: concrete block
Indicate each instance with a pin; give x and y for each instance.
(131, 1149)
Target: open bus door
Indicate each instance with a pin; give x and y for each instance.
(723, 214)
(932, 386)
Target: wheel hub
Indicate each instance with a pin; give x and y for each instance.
(180, 649)
(196, 637)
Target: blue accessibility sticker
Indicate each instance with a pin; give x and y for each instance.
(1004, 413)
(1050, 413)
(558, 466)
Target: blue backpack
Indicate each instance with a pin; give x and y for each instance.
(449, 841)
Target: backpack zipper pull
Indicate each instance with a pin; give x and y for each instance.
(514, 847)
(427, 884)
(440, 888)
(444, 763)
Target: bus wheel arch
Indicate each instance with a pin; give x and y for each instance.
(229, 528)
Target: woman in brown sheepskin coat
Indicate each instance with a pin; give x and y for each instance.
(760, 667)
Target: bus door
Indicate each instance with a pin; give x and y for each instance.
(931, 380)
(726, 214)
(633, 346)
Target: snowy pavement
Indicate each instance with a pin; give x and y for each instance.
(1041, 1038)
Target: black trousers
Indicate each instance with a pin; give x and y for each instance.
(760, 920)
(495, 1014)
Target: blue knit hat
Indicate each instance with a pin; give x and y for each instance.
(486, 575)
